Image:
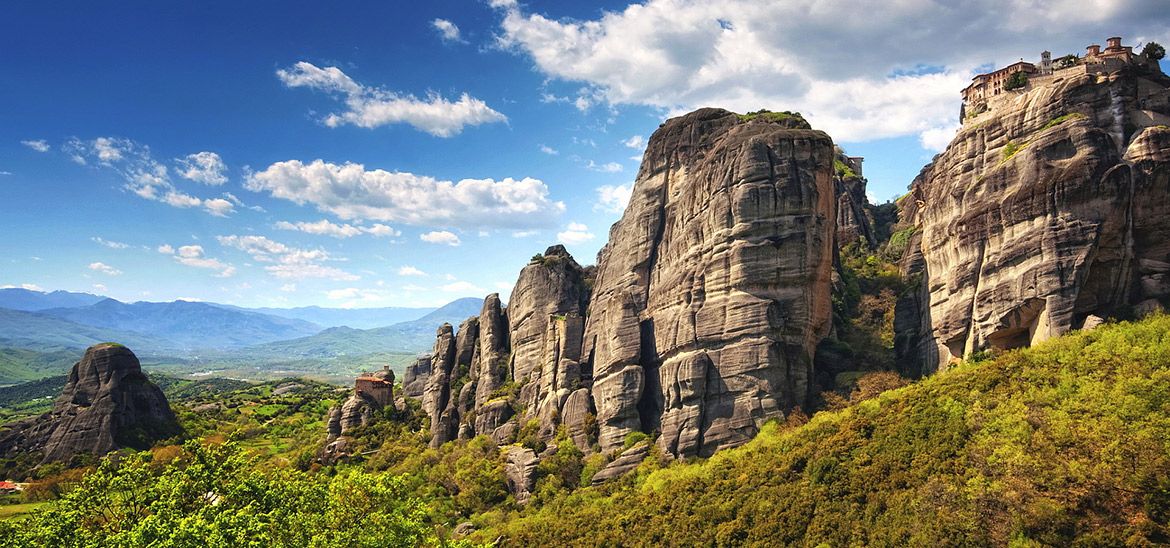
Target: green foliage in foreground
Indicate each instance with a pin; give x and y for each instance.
(214, 495)
(1064, 444)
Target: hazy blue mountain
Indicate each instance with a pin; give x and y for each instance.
(358, 318)
(191, 325)
(413, 336)
(45, 333)
(16, 298)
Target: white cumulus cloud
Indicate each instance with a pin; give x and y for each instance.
(370, 107)
(408, 270)
(613, 198)
(443, 237)
(203, 167)
(637, 141)
(862, 70)
(350, 191)
(575, 233)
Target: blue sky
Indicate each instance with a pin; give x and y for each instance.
(409, 153)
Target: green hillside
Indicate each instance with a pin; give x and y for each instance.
(1062, 444)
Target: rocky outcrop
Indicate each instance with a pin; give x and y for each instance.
(107, 404)
(625, 462)
(855, 221)
(520, 472)
(1039, 215)
(714, 288)
(414, 382)
(437, 395)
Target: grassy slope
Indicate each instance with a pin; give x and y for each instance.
(1065, 443)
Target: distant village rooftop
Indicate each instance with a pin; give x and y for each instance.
(985, 89)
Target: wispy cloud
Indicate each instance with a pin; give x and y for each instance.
(203, 167)
(108, 243)
(39, 145)
(326, 228)
(143, 175)
(371, 107)
(194, 256)
(610, 167)
(448, 31)
(286, 261)
(105, 269)
(548, 150)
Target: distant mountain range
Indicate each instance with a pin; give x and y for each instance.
(412, 336)
(15, 298)
(191, 325)
(39, 332)
(357, 318)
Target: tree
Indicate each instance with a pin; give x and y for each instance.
(1016, 81)
(1154, 51)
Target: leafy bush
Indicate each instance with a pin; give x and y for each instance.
(1154, 51)
(1017, 80)
(843, 170)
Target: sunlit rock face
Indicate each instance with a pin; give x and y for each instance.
(714, 288)
(107, 404)
(1044, 214)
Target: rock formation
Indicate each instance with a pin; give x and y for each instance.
(107, 404)
(372, 393)
(705, 310)
(1040, 215)
(414, 381)
(714, 288)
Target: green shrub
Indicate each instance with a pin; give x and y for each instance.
(1017, 80)
(1062, 119)
(1010, 149)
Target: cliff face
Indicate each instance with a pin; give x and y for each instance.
(700, 321)
(713, 290)
(1039, 217)
(107, 404)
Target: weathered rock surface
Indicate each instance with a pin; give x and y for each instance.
(438, 391)
(714, 288)
(520, 472)
(1050, 210)
(493, 349)
(107, 404)
(545, 321)
(414, 382)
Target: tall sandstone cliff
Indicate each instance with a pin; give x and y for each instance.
(1040, 217)
(107, 404)
(713, 290)
(700, 321)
